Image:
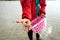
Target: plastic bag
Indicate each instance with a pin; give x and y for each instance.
(46, 31)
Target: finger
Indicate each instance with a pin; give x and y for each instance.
(26, 29)
(42, 16)
(30, 28)
(19, 21)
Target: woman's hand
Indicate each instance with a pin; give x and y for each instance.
(42, 15)
(24, 21)
(26, 24)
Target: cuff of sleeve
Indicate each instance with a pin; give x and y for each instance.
(26, 17)
(41, 12)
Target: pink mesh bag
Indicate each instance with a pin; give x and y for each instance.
(38, 24)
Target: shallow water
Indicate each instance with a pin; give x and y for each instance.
(11, 11)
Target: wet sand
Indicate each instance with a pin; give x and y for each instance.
(11, 11)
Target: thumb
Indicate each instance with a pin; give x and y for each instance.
(30, 27)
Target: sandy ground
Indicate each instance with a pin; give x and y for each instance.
(11, 11)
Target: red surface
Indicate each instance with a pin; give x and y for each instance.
(29, 8)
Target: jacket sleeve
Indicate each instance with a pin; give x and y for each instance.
(43, 6)
(26, 9)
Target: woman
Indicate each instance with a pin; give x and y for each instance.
(30, 10)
